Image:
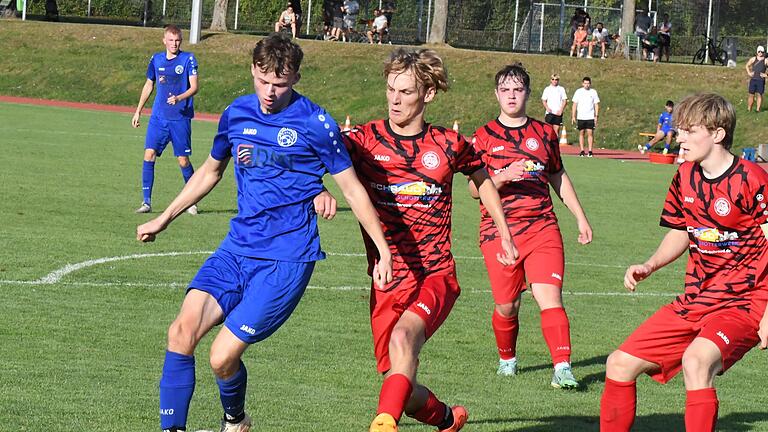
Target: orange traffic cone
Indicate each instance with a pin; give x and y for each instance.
(455, 125)
(347, 125)
(563, 136)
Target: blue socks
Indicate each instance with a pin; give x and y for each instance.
(176, 387)
(187, 172)
(147, 180)
(232, 392)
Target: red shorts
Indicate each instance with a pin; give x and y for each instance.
(431, 299)
(664, 337)
(541, 261)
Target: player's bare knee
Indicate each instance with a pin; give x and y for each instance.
(696, 368)
(181, 337)
(183, 161)
(401, 341)
(223, 364)
(622, 366)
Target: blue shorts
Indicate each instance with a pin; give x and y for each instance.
(256, 295)
(756, 85)
(178, 132)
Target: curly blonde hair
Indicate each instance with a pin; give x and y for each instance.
(425, 64)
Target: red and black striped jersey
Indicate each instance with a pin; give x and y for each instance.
(527, 203)
(409, 180)
(728, 251)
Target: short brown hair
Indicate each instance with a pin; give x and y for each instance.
(172, 29)
(277, 53)
(515, 71)
(708, 110)
(426, 65)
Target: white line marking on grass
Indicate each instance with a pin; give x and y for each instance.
(56, 275)
(318, 288)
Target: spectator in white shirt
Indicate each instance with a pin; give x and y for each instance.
(586, 107)
(554, 100)
(600, 36)
(379, 26)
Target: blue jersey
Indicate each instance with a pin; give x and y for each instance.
(280, 160)
(665, 120)
(171, 77)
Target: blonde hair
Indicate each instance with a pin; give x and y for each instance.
(708, 110)
(425, 64)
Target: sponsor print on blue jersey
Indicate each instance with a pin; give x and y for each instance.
(280, 160)
(171, 77)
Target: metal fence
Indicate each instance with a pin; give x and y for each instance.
(505, 25)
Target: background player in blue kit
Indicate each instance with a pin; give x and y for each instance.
(282, 145)
(665, 130)
(175, 73)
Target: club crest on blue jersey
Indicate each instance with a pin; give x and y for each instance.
(179, 69)
(286, 137)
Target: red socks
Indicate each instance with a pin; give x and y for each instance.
(395, 391)
(432, 413)
(701, 410)
(557, 334)
(506, 330)
(617, 406)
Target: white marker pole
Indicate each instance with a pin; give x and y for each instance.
(195, 25)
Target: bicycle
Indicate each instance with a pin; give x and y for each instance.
(716, 53)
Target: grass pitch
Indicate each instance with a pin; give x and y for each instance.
(84, 352)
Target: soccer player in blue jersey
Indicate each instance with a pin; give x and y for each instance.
(665, 130)
(282, 144)
(175, 73)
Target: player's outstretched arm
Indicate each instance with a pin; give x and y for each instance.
(146, 91)
(563, 187)
(674, 244)
(514, 172)
(490, 198)
(361, 205)
(201, 183)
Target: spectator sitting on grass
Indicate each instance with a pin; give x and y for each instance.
(579, 40)
(287, 20)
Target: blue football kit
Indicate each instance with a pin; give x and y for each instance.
(665, 120)
(261, 269)
(169, 123)
(280, 160)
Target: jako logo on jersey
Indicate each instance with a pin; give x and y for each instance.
(167, 411)
(247, 329)
(179, 69)
(430, 160)
(724, 337)
(250, 131)
(689, 199)
(722, 207)
(497, 148)
(286, 137)
(532, 144)
(382, 158)
(424, 307)
(557, 276)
